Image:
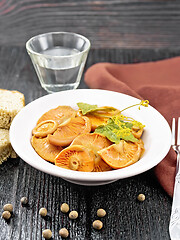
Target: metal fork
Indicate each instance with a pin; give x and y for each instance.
(174, 226)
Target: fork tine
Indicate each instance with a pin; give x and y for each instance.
(173, 132)
(178, 132)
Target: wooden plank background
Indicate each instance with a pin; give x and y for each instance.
(108, 24)
(123, 31)
(126, 219)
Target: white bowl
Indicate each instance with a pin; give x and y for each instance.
(156, 137)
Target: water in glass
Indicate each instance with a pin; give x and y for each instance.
(54, 78)
(59, 59)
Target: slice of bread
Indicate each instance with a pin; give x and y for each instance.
(6, 149)
(11, 102)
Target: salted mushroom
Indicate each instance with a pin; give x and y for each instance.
(122, 154)
(44, 128)
(66, 133)
(94, 142)
(44, 149)
(77, 158)
(137, 131)
(100, 116)
(59, 114)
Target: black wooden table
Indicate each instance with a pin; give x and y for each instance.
(121, 32)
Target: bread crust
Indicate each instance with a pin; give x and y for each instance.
(8, 110)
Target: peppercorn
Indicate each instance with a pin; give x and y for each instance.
(47, 234)
(64, 208)
(63, 232)
(73, 214)
(24, 200)
(141, 197)
(6, 215)
(97, 224)
(8, 207)
(43, 212)
(101, 212)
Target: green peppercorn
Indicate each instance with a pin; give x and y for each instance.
(24, 200)
(97, 224)
(101, 212)
(63, 232)
(6, 215)
(43, 212)
(64, 208)
(8, 207)
(73, 214)
(47, 234)
(141, 197)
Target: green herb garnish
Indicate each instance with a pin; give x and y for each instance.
(121, 117)
(116, 129)
(85, 107)
(143, 103)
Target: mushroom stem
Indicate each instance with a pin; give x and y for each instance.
(73, 163)
(119, 147)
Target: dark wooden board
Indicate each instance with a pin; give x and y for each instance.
(108, 24)
(126, 219)
(121, 31)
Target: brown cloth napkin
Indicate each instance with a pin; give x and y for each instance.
(159, 82)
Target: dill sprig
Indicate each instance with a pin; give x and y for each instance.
(143, 103)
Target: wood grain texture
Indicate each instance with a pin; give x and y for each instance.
(108, 24)
(121, 31)
(126, 219)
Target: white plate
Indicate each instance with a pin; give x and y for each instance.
(156, 137)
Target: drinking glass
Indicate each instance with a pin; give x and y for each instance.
(59, 59)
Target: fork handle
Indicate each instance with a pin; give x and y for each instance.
(174, 226)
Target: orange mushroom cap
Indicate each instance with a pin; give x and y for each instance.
(94, 142)
(100, 116)
(123, 154)
(66, 133)
(77, 158)
(44, 149)
(59, 114)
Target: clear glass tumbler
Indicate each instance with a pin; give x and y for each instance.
(59, 59)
